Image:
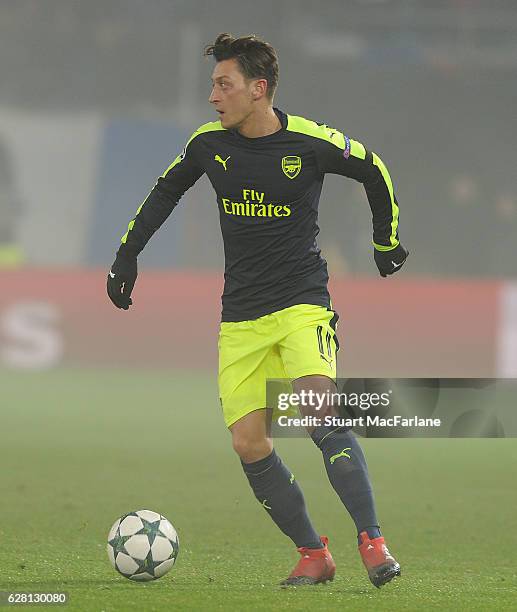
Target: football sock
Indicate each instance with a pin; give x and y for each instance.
(348, 474)
(278, 492)
(373, 532)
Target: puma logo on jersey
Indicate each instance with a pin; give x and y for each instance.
(222, 161)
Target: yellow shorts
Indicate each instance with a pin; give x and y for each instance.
(287, 344)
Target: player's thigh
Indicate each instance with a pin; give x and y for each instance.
(247, 358)
(310, 345)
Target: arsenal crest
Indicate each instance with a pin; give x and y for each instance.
(291, 165)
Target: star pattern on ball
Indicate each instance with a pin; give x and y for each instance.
(118, 542)
(175, 548)
(148, 565)
(145, 533)
(150, 529)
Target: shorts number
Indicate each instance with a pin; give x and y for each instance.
(319, 333)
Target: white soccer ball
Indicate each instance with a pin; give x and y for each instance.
(142, 545)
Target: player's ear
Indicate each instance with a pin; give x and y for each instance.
(259, 89)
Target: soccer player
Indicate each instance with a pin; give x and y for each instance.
(267, 169)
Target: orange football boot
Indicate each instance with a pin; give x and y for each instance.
(380, 564)
(315, 566)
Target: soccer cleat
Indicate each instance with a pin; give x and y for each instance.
(380, 564)
(315, 566)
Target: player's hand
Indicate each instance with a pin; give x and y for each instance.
(121, 280)
(390, 262)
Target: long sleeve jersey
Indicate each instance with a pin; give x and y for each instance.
(268, 190)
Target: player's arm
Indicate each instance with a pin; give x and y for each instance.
(342, 155)
(165, 195)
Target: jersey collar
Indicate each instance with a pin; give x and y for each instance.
(259, 139)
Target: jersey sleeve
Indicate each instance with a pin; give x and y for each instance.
(341, 155)
(184, 171)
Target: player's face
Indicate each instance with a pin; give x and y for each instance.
(232, 94)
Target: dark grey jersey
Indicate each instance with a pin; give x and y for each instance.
(268, 191)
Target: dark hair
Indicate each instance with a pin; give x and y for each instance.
(256, 58)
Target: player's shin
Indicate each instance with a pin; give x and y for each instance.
(347, 471)
(276, 489)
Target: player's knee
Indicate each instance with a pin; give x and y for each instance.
(252, 449)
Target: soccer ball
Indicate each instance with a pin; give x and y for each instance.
(142, 545)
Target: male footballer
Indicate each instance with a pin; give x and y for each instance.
(267, 169)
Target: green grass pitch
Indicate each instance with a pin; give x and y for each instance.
(82, 447)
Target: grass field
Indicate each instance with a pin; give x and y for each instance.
(80, 448)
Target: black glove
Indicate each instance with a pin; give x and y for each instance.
(121, 280)
(390, 262)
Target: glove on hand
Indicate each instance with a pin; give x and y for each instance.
(121, 280)
(390, 262)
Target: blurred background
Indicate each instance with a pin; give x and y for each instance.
(97, 98)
